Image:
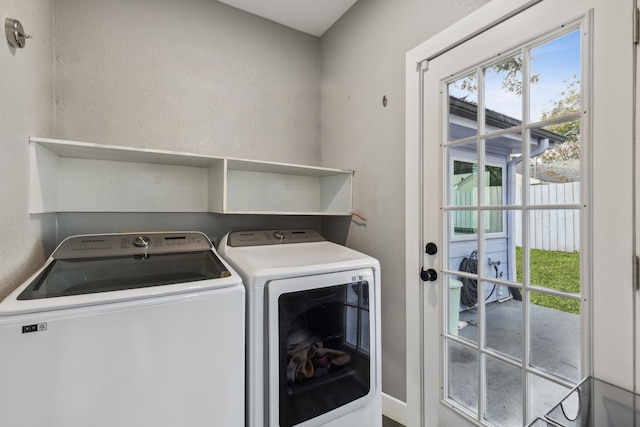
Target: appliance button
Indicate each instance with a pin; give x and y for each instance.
(279, 235)
(141, 241)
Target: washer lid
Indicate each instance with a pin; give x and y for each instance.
(98, 269)
(66, 277)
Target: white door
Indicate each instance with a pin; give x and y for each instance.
(520, 171)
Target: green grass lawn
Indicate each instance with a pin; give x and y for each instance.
(557, 270)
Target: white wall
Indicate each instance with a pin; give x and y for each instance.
(189, 75)
(363, 59)
(26, 108)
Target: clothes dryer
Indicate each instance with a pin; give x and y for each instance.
(139, 330)
(313, 329)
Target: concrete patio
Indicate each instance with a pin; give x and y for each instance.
(554, 348)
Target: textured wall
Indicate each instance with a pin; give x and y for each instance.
(202, 77)
(362, 60)
(190, 75)
(26, 109)
(195, 76)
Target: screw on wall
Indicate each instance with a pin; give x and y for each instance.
(384, 101)
(15, 33)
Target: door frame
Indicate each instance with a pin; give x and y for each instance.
(418, 397)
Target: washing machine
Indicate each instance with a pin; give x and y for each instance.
(125, 330)
(313, 329)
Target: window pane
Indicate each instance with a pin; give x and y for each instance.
(555, 172)
(463, 107)
(545, 395)
(555, 336)
(502, 154)
(464, 223)
(555, 77)
(494, 221)
(500, 251)
(503, 90)
(504, 393)
(504, 327)
(554, 262)
(464, 239)
(564, 148)
(463, 174)
(462, 374)
(453, 306)
(468, 324)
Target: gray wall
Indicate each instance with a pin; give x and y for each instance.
(195, 76)
(199, 76)
(192, 76)
(189, 75)
(26, 84)
(362, 60)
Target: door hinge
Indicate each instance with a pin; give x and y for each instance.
(636, 279)
(636, 25)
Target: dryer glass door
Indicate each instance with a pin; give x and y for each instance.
(322, 339)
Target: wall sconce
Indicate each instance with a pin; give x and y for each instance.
(15, 33)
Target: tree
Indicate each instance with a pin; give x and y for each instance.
(567, 102)
(512, 80)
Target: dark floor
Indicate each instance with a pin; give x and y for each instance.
(388, 422)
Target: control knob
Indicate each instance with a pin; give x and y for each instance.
(141, 242)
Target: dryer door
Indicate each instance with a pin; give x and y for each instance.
(322, 346)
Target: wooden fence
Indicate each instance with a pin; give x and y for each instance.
(552, 229)
(548, 229)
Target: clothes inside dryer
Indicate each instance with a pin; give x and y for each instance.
(324, 338)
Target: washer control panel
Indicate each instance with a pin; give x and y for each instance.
(120, 244)
(272, 237)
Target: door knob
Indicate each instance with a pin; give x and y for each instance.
(431, 248)
(429, 275)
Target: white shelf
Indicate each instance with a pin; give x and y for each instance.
(69, 176)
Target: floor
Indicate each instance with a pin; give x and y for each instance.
(553, 347)
(388, 422)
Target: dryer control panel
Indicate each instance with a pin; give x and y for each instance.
(273, 237)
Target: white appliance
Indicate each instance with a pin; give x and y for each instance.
(125, 330)
(313, 329)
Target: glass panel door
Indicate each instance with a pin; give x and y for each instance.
(521, 310)
(512, 229)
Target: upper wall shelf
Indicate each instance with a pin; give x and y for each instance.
(68, 176)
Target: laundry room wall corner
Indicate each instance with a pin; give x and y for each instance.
(26, 84)
(362, 60)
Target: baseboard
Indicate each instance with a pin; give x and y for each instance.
(394, 409)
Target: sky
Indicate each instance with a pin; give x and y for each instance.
(554, 63)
